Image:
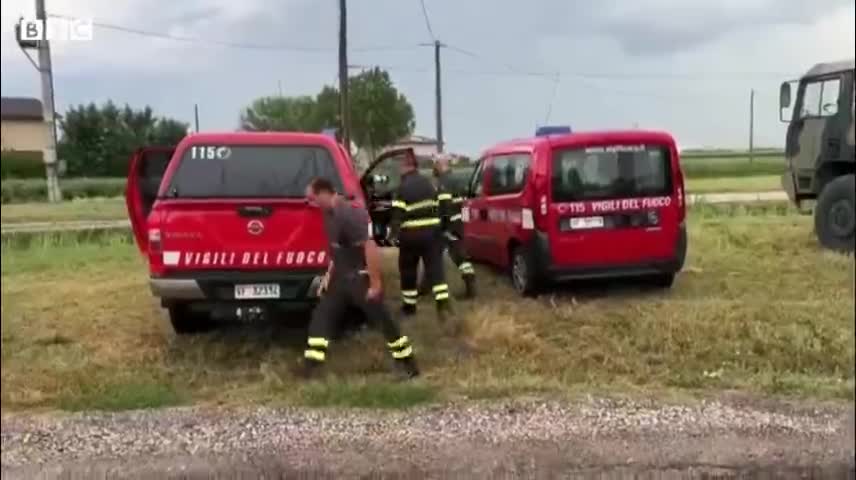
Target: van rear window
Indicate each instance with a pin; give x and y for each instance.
(248, 171)
(617, 171)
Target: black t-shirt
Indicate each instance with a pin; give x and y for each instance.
(347, 229)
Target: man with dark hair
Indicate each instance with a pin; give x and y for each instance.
(415, 226)
(353, 279)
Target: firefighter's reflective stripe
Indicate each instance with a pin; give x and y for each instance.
(441, 292)
(466, 268)
(423, 222)
(458, 200)
(400, 348)
(409, 207)
(456, 217)
(444, 196)
(316, 355)
(409, 297)
(418, 214)
(404, 353)
(317, 348)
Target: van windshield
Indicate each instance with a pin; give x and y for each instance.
(604, 172)
(251, 171)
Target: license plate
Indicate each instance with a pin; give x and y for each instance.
(582, 223)
(256, 291)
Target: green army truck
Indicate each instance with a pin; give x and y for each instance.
(819, 149)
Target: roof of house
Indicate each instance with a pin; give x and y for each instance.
(21, 108)
(830, 67)
(417, 140)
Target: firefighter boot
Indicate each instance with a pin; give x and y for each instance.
(470, 286)
(406, 368)
(408, 310)
(306, 369)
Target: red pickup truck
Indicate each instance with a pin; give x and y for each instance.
(224, 224)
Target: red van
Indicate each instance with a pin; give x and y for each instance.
(223, 220)
(579, 206)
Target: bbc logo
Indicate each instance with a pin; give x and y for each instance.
(60, 29)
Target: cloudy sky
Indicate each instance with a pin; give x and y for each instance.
(686, 66)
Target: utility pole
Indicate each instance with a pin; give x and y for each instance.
(344, 110)
(752, 125)
(46, 74)
(438, 93)
(196, 117)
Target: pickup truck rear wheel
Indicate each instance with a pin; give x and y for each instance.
(663, 280)
(186, 321)
(835, 214)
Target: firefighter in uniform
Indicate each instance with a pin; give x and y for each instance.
(353, 279)
(415, 227)
(450, 200)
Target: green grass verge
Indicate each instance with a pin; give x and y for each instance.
(759, 308)
(757, 183)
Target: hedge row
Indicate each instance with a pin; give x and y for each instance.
(21, 164)
(35, 190)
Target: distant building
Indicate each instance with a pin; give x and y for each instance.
(422, 146)
(23, 126)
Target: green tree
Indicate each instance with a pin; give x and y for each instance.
(380, 114)
(98, 141)
(289, 114)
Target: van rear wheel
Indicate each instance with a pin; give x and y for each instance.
(185, 320)
(523, 277)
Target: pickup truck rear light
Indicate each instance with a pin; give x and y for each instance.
(155, 245)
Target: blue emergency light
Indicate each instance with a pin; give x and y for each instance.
(330, 132)
(552, 130)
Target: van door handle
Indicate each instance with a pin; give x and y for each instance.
(255, 211)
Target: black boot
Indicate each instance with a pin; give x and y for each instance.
(443, 310)
(407, 368)
(408, 310)
(470, 286)
(306, 369)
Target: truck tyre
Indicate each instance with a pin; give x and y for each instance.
(835, 214)
(523, 272)
(185, 321)
(663, 280)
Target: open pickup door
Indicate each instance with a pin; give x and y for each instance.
(145, 174)
(380, 183)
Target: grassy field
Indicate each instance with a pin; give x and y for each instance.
(758, 183)
(69, 210)
(114, 208)
(758, 309)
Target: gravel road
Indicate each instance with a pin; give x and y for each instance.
(523, 438)
(39, 227)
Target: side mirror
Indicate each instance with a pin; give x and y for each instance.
(785, 111)
(785, 95)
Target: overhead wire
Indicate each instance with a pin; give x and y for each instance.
(427, 20)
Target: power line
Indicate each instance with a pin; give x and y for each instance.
(427, 20)
(239, 45)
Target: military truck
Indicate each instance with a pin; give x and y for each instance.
(819, 149)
